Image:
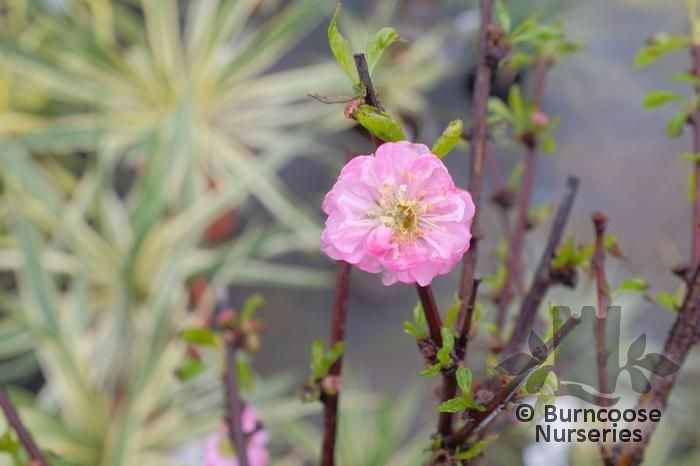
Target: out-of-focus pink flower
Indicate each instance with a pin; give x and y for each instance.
(398, 212)
(218, 450)
(540, 119)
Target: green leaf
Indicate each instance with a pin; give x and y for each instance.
(449, 137)
(448, 338)
(674, 127)
(658, 46)
(430, 371)
(316, 364)
(520, 60)
(341, 48)
(632, 284)
(658, 98)
(685, 78)
(452, 313)
(454, 405)
(666, 300)
(378, 44)
(379, 123)
(189, 369)
(548, 143)
(691, 157)
(199, 336)
(692, 186)
(252, 305)
(502, 15)
(464, 379)
(473, 451)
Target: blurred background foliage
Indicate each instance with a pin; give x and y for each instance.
(149, 147)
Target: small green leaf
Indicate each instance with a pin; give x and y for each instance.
(691, 157)
(378, 44)
(454, 405)
(333, 354)
(448, 338)
(464, 379)
(473, 451)
(632, 285)
(244, 370)
(685, 78)
(450, 136)
(548, 143)
(658, 46)
(499, 111)
(199, 336)
(674, 127)
(316, 365)
(658, 98)
(430, 371)
(519, 60)
(379, 123)
(502, 15)
(452, 313)
(252, 305)
(692, 186)
(189, 369)
(341, 48)
(666, 300)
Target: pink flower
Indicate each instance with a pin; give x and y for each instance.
(218, 450)
(398, 212)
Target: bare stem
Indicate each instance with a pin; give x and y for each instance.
(695, 247)
(234, 405)
(432, 315)
(331, 402)
(602, 353)
(514, 268)
(543, 275)
(23, 434)
(482, 89)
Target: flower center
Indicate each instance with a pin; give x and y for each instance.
(400, 212)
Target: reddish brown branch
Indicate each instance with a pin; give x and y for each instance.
(234, 404)
(695, 120)
(331, 401)
(543, 275)
(480, 419)
(602, 353)
(23, 434)
(684, 334)
(482, 90)
(431, 312)
(514, 269)
(449, 381)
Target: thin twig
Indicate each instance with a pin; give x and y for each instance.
(23, 434)
(449, 381)
(542, 279)
(514, 269)
(478, 139)
(695, 248)
(602, 353)
(482, 90)
(234, 404)
(331, 401)
(481, 419)
(432, 314)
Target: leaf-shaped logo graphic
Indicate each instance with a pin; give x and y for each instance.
(636, 349)
(537, 347)
(640, 383)
(515, 364)
(657, 364)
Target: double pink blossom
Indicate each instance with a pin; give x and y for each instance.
(398, 212)
(218, 450)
